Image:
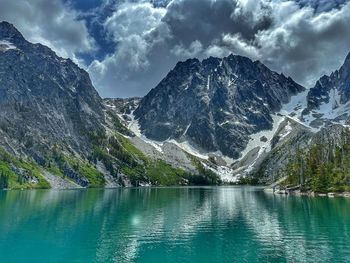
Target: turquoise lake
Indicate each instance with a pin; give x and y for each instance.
(209, 224)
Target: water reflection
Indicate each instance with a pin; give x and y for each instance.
(214, 224)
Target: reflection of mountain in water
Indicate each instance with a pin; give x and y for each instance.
(175, 224)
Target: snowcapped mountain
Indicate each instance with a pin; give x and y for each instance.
(237, 114)
(207, 121)
(322, 117)
(215, 104)
(329, 100)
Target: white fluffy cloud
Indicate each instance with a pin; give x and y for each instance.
(133, 27)
(51, 23)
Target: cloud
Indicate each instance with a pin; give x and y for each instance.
(137, 30)
(305, 44)
(136, 42)
(150, 39)
(303, 39)
(51, 23)
(321, 5)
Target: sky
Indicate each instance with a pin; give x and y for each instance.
(128, 46)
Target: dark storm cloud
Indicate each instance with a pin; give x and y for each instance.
(307, 45)
(322, 5)
(206, 20)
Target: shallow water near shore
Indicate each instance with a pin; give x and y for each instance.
(200, 224)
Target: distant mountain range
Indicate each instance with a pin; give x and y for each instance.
(214, 121)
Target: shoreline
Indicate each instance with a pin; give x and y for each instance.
(297, 192)
(135, 187)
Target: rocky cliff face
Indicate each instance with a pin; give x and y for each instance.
(241, 109)
(54, 125)
(328, 100)
(44, 99)
(215, 104)
(55, 130)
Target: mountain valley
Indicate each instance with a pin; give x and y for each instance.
(217, 121)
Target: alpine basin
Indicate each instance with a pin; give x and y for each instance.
(204, 224)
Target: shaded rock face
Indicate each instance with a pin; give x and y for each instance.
(215, 104)
(328, 87)
(44, 99)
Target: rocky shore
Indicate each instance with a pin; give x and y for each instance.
(295, 190)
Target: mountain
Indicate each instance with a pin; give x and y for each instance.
(271, 128)
(44, 99)
(328, 100)
(224, 120)
(214, 104)
(56, 131)
(316, 157)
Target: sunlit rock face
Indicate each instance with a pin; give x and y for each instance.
(44, 99)
(215, 104)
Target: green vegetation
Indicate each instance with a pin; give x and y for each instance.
(248, 181)
(324, 168)
(124, 157)
(162, 173)
(4, 175)
(158, 172)
(205, 177)
(85, 169)
(70, 167)
(118, 155)
(17, 173)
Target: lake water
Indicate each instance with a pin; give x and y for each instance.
(214, 224)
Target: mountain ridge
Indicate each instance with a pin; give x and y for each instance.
(56, 131)
(200, 94)
(217, 120)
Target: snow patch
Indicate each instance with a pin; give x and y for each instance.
(255, 139)
(226, 174)
(208, 83)
(296, 105)
(188, 126)
(186, 146)
(328, 111)
(135, 128)
(332, 109)
(6, 45)
(287, 130)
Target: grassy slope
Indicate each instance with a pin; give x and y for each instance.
(117, 153)
(158, 172)
(15, 181)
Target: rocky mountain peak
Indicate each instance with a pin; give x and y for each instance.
(214, 104)
(44, 99)
(327, 101)
(345, 69)
(10, 33)
(347, 57)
